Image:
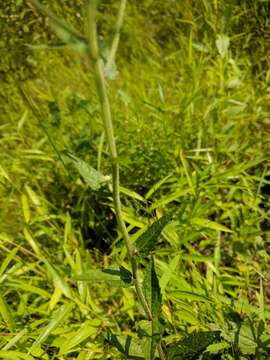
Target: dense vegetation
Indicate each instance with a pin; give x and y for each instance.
(190, 101)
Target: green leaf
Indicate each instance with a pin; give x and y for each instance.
(12, 342)
(216, 348)
(205, 223)
(91, 176)
(146, 242)
(156, 186)
(115, 342)
(56, 320)
(131, 194)
(192, 296)
(168, 272)
(125, 275)
(192, 346)
(57, 280)
(28, 288)
(116, 277)
(168, 199)
(88, 329)
(6, 314)
(153, 297)
(128, 345)
(14, 355)
(11, 256)
(247, 340)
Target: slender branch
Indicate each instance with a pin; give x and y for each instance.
(40, 118)
(108, 125)
(116, 38)
(62, 24)
(161, 352)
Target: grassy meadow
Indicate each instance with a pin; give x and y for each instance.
(189, 97)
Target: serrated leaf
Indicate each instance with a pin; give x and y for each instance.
(146, 242)
(153, 297)
(192, 345)
(247, 341)
(205, 223)
(91, 176)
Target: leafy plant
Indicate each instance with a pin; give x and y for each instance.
(190, 107)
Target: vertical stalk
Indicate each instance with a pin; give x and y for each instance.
(108, 125)
(115, 42)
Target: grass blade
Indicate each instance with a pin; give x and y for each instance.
(6, 314)
(56, 320)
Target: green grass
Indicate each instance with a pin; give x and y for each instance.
(192, 133)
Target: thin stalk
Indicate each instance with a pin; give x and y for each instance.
(62, 24)
(116, 38)
(108, 125)
(161, 352)
(40, 119)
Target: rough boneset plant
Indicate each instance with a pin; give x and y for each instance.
(148, 292)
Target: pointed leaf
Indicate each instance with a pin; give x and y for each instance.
(87, 329)
(152, 293)
(56, 320)
(14, 355)
(25, 208)
(192, 346)
(6, 314)
(114, 276)
(205, 223)
(91, 176)
(58, 281)
(115, 342)
(128, 345)
(131, 194)
(146, 242)
(125, 275)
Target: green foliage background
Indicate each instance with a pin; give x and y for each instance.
(192, 128)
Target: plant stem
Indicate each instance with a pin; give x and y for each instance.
(108, 125)
(160, 352)
(115, 42)
(61, 23)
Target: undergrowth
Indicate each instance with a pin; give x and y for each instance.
(190, 100)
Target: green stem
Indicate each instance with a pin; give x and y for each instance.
(116, 38)
(108, 125)
(161, 352)
(62, 24)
